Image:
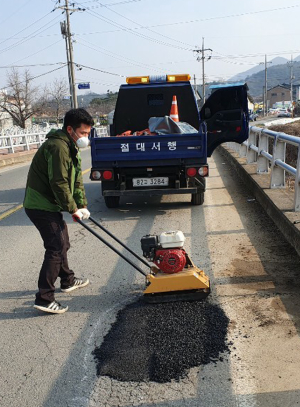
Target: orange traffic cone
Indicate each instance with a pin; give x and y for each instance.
(174, 110)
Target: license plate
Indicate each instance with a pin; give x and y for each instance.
(149, 182)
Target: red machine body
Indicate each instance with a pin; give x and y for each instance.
(165, 251)
(170, 260)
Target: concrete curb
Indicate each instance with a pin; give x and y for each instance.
(16, 158)
(278, 203)
(20, 157)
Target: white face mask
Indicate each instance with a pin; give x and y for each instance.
(81, 142)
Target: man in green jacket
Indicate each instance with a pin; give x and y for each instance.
(55, 185)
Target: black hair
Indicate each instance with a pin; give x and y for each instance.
(76, 117)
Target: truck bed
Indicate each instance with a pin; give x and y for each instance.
(152, 150)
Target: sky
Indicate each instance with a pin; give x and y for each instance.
(113, 39)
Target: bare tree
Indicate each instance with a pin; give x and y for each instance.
(58, 92)
(18, 101)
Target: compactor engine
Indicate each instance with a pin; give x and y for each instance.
(165, 251)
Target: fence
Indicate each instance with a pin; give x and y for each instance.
(27, 139)
(256, 150)
(102, 131)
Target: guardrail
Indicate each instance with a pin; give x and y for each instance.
(102, 131)
(12, 141)
(256, 150)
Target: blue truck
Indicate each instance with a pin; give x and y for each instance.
(173, 158)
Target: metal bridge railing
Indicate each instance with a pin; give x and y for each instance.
(26, 140)
(13, 143)
(102, 131)
(256, 150)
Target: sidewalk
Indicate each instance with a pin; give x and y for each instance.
(277, 203)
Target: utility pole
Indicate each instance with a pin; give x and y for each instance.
(291, 65)
(266, 88)
(265, 94)
(63, 29)
(202, 58)
(72, 70)
(264, 99)
(66, 33)
(203, 75)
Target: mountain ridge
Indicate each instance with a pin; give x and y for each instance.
(278, 73)
(257, 68)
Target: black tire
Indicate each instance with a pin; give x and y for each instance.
(198, 198)
(112, 201)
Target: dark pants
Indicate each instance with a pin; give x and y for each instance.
(54, 232)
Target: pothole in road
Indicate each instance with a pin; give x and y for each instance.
(161, 342)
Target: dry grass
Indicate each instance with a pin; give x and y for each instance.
(293, 129)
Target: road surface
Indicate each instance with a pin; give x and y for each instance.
(47, 360)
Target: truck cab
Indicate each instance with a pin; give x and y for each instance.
(135, 161)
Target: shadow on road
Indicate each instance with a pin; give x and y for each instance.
(113, 297)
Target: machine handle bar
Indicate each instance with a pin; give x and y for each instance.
(112, 247)
(119, 241)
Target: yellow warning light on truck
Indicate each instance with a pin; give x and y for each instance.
(178, 78)
(134, 80)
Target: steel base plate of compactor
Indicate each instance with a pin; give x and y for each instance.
(190, 284)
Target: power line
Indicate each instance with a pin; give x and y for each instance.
(205, 19)
(29, 37)
(29, 65)
(123, 28)
(226, 16)
(116, 56)
(100, 70)
(148, 29)
(109, 21)
(111, 4)
(37, 52)
(15, 12)
(24, 29)
(38, 76)
(46, 73)
(234, 62)
(174, 23)
(276, 53)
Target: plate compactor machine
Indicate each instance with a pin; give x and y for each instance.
(172, 276)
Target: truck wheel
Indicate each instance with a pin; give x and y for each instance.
(112, 201)
(198, 198)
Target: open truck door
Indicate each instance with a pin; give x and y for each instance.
(226, 115)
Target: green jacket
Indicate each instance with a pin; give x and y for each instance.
(54, 180)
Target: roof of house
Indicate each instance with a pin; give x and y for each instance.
(283, 85)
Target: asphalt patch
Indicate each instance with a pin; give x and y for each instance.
(161, 342)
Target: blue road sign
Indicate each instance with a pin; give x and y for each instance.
(83, 86)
